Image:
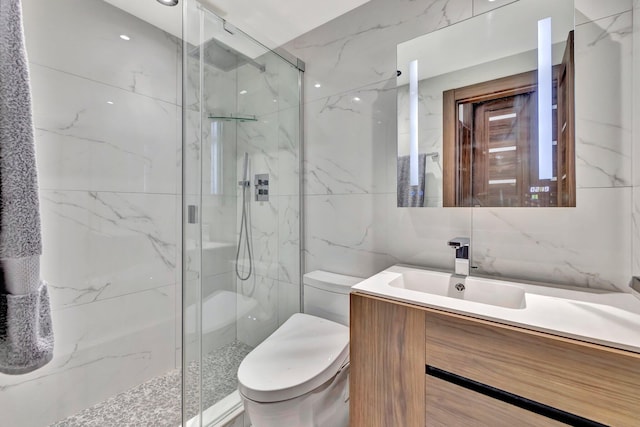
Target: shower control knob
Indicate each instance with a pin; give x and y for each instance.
(262, 187)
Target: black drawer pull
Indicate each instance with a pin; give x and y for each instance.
(513, 399)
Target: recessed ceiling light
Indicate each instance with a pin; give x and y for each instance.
(242, 92)
(318, 85)
(125, 37)
(168, 2)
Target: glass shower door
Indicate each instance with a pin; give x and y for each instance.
(241, 206)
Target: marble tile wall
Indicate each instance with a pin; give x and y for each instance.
(350, 157)
(635, 141)
(272, 142)
(270, 93)
(107, 119)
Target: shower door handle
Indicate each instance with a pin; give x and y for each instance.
(192, 214)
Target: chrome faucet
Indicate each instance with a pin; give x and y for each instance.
(461, 245)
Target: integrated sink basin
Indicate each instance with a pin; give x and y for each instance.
(603, 317)
(465, 288)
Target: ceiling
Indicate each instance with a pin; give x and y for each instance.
(272, 22)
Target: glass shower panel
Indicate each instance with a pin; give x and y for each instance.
(242, 255)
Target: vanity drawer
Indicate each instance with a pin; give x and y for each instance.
(590, 381)
(452, 405)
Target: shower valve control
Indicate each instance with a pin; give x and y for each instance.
(262, 187)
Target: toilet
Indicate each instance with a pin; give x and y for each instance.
(299, 375)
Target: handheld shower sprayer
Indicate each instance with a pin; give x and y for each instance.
(245, 172)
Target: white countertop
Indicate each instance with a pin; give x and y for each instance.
(607, 318)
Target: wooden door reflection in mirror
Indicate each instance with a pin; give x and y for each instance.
(490, 134)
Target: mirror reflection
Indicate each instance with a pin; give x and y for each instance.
(486, 110)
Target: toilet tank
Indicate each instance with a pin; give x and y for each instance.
(326, 295)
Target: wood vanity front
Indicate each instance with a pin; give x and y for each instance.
(415, 366)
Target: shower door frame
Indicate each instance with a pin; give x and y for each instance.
(298, 64)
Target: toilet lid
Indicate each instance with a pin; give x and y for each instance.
(299, 356)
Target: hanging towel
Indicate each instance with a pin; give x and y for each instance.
(410, 195)
(26, 336)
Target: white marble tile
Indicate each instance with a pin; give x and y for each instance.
(101, 349)
(636, 95)
(603, 49)
(263, 217)
(85, 143)
(592, 10)
(225, 281)
(82, 37)
(288, 87)
(483, 6)
(348, 140)
(219, 90)
(359, 47)
(289, 151)
(289, 239)
(260, 140)
(219, 216)
(420, 235)
(347, 234)
(288, 301)
(101, 245)
(588, 246)
(191, 158)
(258, 88)
(261, 322)
(635, 224)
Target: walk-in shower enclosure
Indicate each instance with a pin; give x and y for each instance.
(239, 97)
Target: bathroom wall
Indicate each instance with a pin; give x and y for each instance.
(350, 126)
(273, 145)
(107, 120)
(636, 141)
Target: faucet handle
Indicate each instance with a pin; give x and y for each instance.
(458, 242)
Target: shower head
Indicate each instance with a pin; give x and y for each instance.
(245, 168)
(222, 57)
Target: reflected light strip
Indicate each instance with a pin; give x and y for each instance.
(502, 149)
(413, 122)
(503, 117)
(545, 119)
(502, 181)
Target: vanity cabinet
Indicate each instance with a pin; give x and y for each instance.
(414, 366)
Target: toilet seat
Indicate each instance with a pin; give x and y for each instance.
(301, 355)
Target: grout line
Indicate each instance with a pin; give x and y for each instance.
(105, 84)
(155, 288)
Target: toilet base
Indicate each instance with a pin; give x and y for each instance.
(327, 405)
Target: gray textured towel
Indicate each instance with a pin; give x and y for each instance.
(410, 195)
(26, 337)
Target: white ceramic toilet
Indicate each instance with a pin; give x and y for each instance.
(299, 375)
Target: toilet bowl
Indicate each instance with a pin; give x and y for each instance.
(299, 375)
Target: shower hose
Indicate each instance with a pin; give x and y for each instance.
(244, 230)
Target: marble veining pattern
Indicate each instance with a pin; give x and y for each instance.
(121, 243)
(358, 49)
(107, 120)
(603, 110)
(366, 120)
(89, 46)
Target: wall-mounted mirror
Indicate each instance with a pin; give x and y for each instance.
(486, 110)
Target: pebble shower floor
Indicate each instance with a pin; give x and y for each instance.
(157, 402)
